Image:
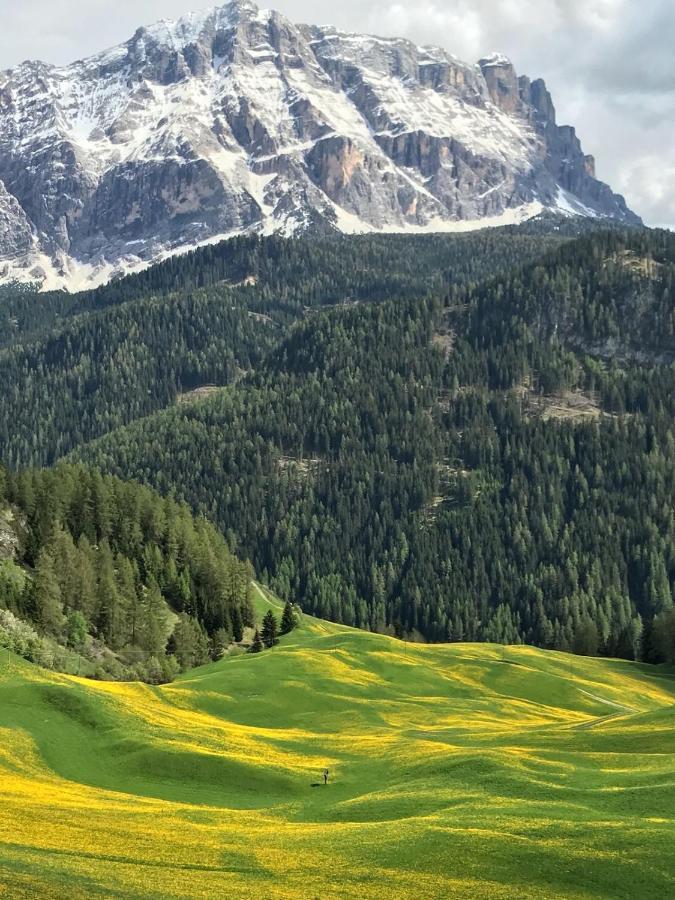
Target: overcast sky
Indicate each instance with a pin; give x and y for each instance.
(609, 64)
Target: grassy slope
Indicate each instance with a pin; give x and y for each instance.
(468, 770)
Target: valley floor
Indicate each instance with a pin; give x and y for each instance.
(455, 771)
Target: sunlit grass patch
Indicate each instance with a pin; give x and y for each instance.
(464, 770)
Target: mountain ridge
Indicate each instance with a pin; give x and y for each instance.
(236, 120)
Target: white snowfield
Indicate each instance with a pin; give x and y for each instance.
(235, 120)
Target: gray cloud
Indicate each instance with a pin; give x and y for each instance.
(609, 64)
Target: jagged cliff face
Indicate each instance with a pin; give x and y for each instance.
(237, 120)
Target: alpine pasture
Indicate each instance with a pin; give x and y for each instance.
(455, 771)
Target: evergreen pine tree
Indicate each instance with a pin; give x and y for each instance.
(183, 641)
(108, 613)
(237, 625)
(47, 607)
(152, 620)
(85, 588)
(257, 644)
(269, 629)
(288, 622)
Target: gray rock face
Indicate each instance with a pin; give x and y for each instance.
(236, 119)
(16, 236)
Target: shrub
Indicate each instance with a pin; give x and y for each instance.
(20, 638)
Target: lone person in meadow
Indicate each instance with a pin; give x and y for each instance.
(325, 776)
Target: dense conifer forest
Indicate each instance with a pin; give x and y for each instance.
(443, 438)
(115, 580)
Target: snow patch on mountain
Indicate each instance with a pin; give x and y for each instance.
(570, 205)
(496, 59)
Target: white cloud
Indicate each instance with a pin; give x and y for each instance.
(651, 180)
(609, 64)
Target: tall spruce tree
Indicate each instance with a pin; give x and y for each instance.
(269, 629)
(237, 626)
(288, 622)
(46, 603)
(152, 620)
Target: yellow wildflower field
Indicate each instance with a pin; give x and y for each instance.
(455, 771)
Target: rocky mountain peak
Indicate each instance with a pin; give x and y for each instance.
(236, 119)
(502, 82)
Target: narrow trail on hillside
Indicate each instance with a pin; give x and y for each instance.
(601, 720)
(608, 702)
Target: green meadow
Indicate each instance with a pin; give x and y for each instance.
(465, 770)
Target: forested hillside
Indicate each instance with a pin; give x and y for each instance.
(106, 369)
(610, 295)
(446, 438)
(76, 367)
(283, 276)
(108, 578)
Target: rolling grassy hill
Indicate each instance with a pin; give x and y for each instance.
(465, 770)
